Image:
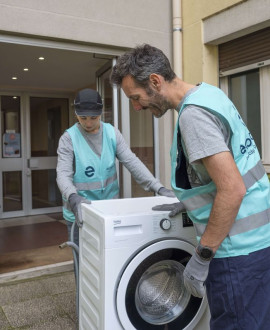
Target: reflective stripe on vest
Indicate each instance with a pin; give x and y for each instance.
(242, 225)
(95, 185)
(252, 176)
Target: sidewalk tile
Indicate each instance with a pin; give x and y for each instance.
(30, 312)
(60, 323)
(14, 293)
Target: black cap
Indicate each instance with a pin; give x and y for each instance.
(88, 103)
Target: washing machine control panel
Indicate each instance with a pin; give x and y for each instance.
(165, 224)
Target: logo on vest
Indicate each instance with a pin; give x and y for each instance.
(89, 171)
(249, 147)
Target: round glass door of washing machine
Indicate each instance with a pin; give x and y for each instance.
(151, 293)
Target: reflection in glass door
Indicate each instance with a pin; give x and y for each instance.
(136, 127)
(141, 143)
(105, 91)
(11, 164)
(244, 91)
(48, 120)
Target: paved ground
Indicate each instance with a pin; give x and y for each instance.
(40, 303)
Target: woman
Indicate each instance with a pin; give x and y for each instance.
(86, 160)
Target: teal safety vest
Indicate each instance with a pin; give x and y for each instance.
(251, 229)
(95, 177)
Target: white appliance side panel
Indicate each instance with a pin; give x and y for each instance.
(91, 275)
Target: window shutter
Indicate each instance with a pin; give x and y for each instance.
(249, 49)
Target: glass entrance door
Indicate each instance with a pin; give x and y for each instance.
(48, 119)
(30, 131)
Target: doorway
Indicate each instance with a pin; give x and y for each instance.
(35, 111)
(30, 130)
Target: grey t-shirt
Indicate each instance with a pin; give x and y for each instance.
(203, 134)
(65, 161)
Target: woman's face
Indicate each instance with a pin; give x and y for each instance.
(89, 124)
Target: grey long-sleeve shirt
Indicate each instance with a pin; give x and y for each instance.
(65, 162)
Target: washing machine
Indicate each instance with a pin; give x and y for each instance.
(131, 264)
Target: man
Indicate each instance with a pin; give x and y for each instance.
(218, 176)
(87, 153)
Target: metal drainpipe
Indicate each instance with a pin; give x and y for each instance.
(177, 42)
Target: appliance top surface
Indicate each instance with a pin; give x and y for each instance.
(127, 206)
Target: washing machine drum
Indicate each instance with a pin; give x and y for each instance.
(151, 295)
(160, 295)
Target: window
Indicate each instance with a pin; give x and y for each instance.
(244, 91)
(250, 92)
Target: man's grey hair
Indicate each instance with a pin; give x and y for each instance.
(140, 63)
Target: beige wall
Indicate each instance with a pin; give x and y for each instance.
(200, 62)
(234, 22)
(122, 23)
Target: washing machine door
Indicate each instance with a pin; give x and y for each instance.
(151, 293)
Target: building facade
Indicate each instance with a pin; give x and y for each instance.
(227, 44)
(49, 50)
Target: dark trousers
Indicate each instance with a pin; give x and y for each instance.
(238, 292)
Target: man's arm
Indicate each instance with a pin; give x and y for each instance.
(230, 192)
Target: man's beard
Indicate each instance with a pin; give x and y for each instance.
(158, 102)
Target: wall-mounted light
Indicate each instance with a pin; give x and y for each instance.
(41, 58)
(14, 78)
(25, 69)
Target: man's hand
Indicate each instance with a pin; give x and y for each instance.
(75, 202)
(175, 208)
(195, 274)
(166, 192)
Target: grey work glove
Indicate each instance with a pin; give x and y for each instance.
(166, 192)
(195, 274)
(175, 208)
(75, 202)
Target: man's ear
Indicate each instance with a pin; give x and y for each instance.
(155, 81)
